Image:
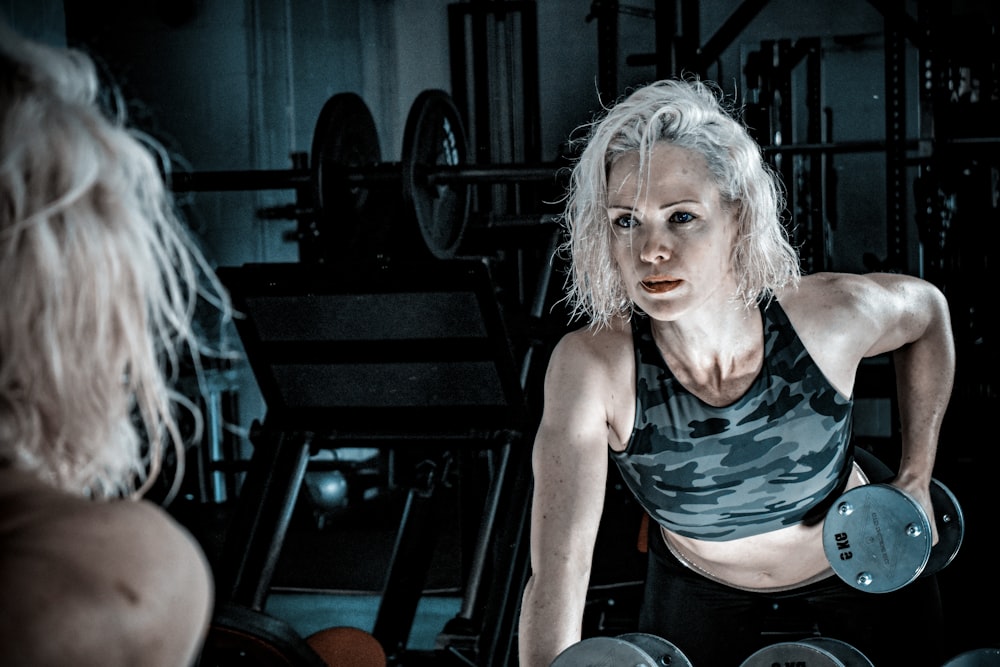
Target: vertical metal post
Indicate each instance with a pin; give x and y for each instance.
(411, 556)
(895, 137)
(264, 511)
(607, 51)
(814, 135)
(929, 206)
(530, 83)
(666, 32)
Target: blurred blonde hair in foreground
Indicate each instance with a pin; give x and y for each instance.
(101, 281)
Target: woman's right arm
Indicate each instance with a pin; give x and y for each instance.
(570, 465)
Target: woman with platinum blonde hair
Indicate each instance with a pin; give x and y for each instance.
(763, 259)
(720, 381)
(101, 281)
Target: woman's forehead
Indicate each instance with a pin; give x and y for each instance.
(666, 164)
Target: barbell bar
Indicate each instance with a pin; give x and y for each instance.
(345, 165)
(434, 172)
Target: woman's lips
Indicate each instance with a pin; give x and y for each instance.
(660, 284)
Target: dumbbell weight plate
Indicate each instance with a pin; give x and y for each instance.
(604, 652)
(434, 137)
(877, 538)
(951, 528)
(662, 652)
(811, 652)
(981, 657)
(847, 654)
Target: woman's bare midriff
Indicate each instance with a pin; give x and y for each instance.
(778, 560)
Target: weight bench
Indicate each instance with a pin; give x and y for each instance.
(388, 356)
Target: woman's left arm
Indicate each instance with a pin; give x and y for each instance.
(913, 323)
(915, 326)
(843, 318)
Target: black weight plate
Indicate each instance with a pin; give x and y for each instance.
(435, 136)
(241, 637)
(345, 137)
(951, 528)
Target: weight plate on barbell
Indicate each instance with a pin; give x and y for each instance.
(345, 138)
(435, 136)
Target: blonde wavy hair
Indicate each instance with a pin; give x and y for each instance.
(100, 278)
(690, 114)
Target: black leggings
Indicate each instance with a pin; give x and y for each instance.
(715, 625)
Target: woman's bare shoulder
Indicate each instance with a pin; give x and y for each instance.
(111, 573)
(603, 343)
(33, 508)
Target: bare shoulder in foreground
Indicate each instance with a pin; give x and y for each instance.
(96, 583)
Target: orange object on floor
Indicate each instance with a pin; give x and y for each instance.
(347, 647)
(642, 541)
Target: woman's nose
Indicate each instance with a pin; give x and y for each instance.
(655, 247)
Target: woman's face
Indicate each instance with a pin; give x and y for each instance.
(672, 237)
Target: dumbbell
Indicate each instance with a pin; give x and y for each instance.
(878, 538)
(810, 652)
(633, 649)
(829, 652)
(980, 657)
(638, 649)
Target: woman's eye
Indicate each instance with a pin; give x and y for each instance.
(682, 217)
(626, 221)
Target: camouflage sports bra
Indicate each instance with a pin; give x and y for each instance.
(768, 460)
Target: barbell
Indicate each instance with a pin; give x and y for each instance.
(345, 165)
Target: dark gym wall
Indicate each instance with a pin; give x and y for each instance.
(239, 85)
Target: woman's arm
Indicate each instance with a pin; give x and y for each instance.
(570, 464)
(916, 328)
(843, 318)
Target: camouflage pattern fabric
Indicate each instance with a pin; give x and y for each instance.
(757, 465)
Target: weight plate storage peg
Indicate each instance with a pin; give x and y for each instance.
(434, 137)
(877, 538)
